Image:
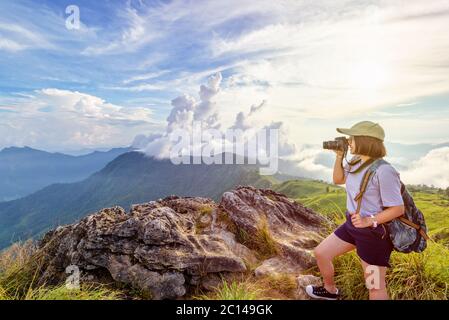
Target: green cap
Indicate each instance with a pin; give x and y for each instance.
(365, 128)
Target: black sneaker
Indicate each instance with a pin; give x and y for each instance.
(321, 293)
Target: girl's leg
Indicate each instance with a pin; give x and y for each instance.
(375, 281)
(325, 252)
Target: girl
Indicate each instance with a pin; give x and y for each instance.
(365, 231)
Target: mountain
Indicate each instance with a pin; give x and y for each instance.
(26, 170)
(130, 178)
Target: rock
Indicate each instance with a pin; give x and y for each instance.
(276, 266)
(154, 248)
(167, 247)
(294, 228)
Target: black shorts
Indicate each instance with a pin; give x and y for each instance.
(373, 245)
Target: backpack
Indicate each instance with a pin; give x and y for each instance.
(407, 232)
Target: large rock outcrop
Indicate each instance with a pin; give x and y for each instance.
(168, 246)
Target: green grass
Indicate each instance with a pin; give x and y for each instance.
(19, 266)
(231, 290)
(302, 188)
(435, 208)
(331, 205)
(262, 242)
(413, 276)
(86, 292)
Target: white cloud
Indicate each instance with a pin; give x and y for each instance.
(433, 168)
(245, 121)
(311, 161)
(145, 76)
(139, 31)
(15, 37)
(187, 110)
(63, 119)
(11, 45)
(337, 65)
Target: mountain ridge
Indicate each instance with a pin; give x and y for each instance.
(130, 178)
(25, 170)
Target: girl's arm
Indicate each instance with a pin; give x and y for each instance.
(338, 175)
(389, 214)
(386, 215)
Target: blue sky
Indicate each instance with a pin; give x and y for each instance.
(317, 65)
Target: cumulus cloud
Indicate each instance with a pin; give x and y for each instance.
(187, 110)
(63, 119)
(432, 169)
(311, 161)
(245, 121)
(206, 110)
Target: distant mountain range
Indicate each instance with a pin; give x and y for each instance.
(57, 189)
(26, 170)
(130, 178)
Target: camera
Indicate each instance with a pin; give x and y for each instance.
(340, 143)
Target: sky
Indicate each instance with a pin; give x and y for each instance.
(312, 65)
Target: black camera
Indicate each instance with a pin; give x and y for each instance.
(340, 143)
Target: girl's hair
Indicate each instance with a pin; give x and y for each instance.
(369, 146)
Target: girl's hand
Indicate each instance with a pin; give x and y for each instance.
(339, 153)
(360, 222)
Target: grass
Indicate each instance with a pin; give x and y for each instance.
(206, 209)
(204, 219)
(231, 290)
(19, 268)
(20, 265)
(247, 287)
(277, 286)
(302, 188)
(61, 292)
(262, 242)
(422, 276)
(412, 276)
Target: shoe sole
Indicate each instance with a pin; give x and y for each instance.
(310, 293)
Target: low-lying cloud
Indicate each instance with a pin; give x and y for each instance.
(55, 119)
(432, 169)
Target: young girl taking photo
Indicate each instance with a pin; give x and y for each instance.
(364, 231)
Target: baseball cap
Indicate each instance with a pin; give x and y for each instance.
(364, 128)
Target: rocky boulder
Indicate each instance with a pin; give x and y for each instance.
(169, 246)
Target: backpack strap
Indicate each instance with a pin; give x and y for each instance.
(414, 225)
(371, 170)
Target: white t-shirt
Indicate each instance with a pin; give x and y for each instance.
(383, 189)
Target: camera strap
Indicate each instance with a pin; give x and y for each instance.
(363, 165)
